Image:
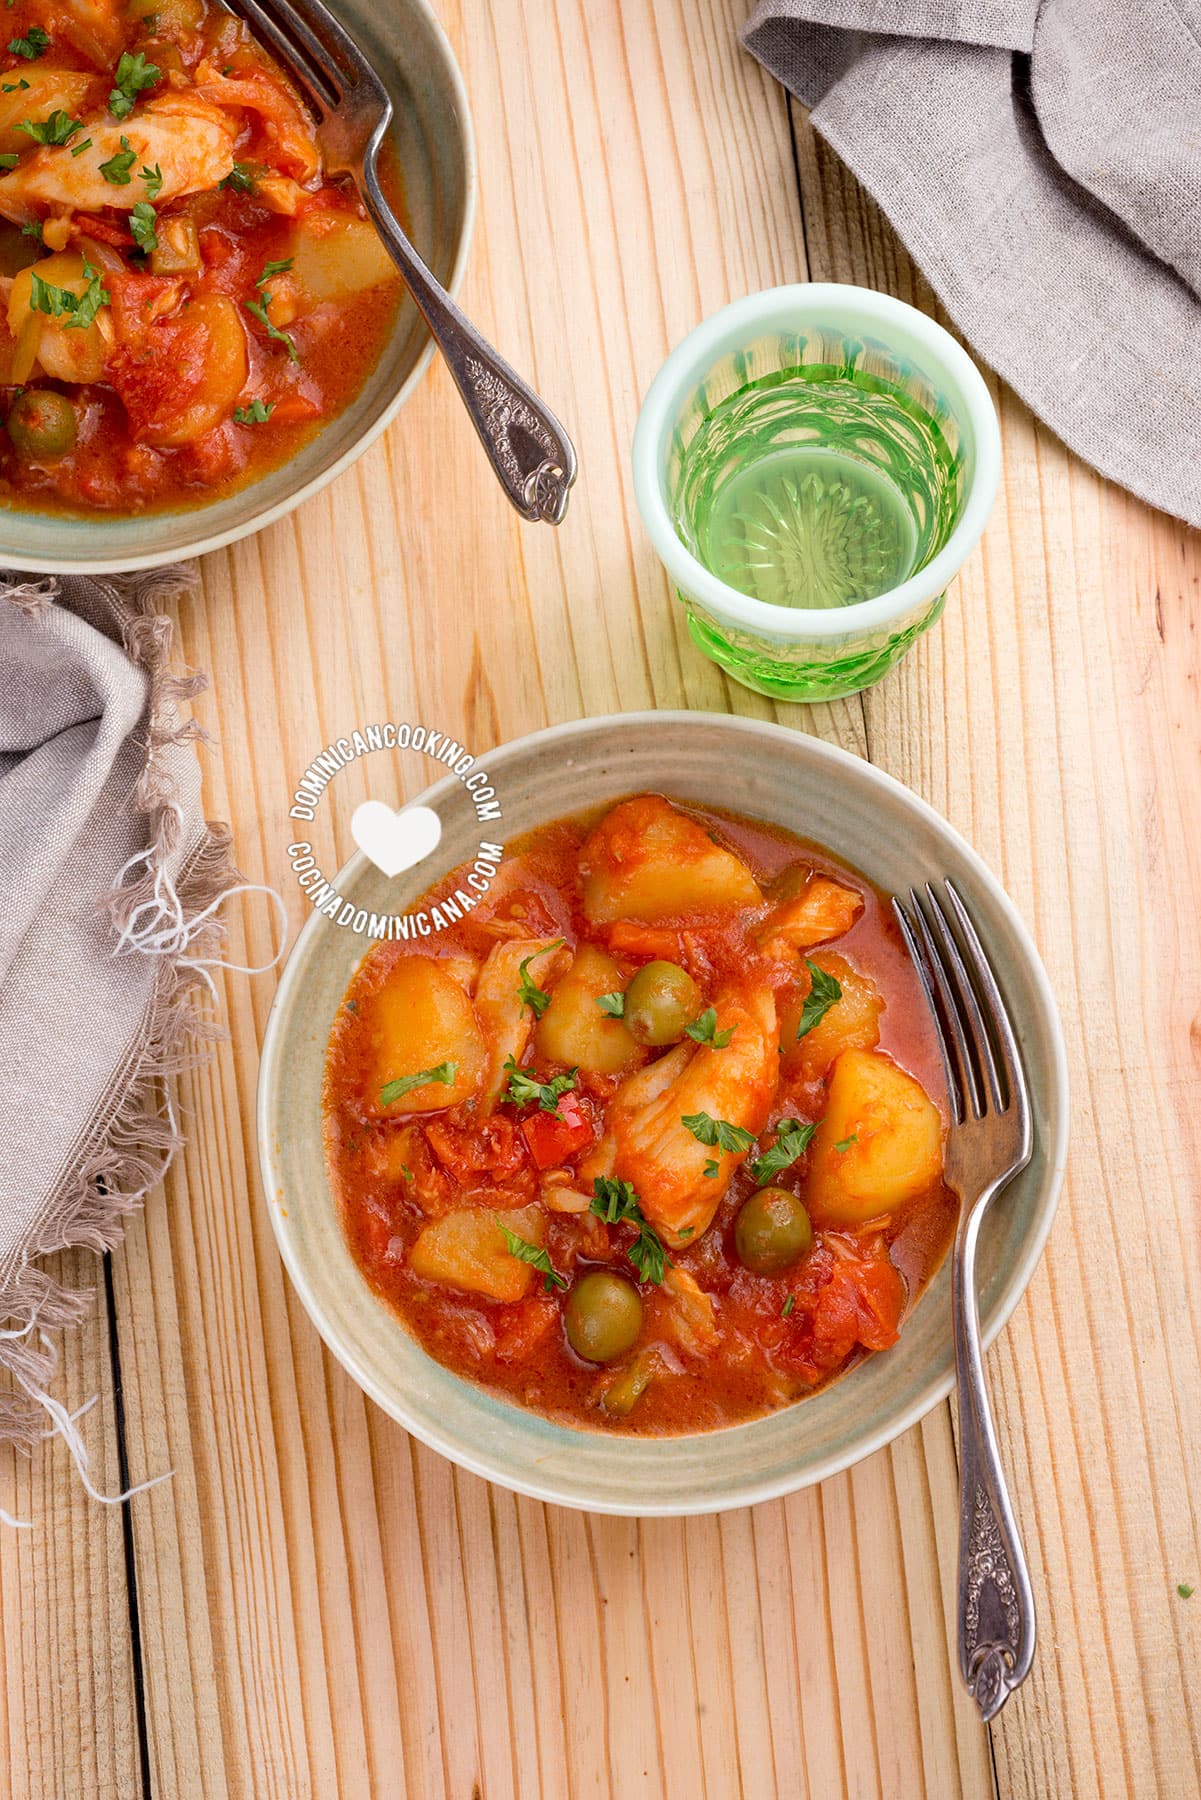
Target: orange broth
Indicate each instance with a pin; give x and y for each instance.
(778, 1338)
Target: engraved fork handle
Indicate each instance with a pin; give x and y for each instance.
(533, 456)
(996, 1606)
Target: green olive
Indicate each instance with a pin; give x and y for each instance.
(603, 1316)
(772, 1231)
(42, 424)
(660, 1001)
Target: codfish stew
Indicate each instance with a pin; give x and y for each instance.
(185, 296)
(650, 1139)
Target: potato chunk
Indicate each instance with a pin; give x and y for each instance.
(38, 91)
(65, 352)
(852, 1023)
(419, 1019)
(466, 1249)
(647, 860)
(574, 1030)
(891, 1134)
(335, 257)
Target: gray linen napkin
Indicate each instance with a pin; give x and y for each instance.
(105, 864)
(1042, 164)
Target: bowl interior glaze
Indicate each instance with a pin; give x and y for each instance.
(432, 138)
(771, 773)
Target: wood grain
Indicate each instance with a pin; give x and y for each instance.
(68, 1718)
(327, 1610)
(1054, 719)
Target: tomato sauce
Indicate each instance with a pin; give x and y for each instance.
(724, 1344)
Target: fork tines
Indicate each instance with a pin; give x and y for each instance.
(979, 1050)
(311, 44)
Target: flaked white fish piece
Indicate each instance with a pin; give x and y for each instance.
(190, 141)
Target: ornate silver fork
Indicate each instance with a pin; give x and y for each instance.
(989, 1142)
(532, 455)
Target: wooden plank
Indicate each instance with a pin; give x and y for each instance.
(335, 1607)
(329, 1610)
(68, 1718)
(1054, 719)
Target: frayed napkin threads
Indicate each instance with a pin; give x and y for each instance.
(160, 910)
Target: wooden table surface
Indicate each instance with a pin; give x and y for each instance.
(317, 1607)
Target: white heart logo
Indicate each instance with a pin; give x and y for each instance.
(395, 841)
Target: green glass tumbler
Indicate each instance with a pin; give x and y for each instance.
(790, 372)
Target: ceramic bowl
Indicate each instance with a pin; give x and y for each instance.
(432, 135)
(771, 773)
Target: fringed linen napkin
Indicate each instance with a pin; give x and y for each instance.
(1040, 161)
(109, 880)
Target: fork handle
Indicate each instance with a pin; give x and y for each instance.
(534, 459)
(996, 1606)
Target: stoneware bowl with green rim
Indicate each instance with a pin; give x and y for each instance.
(812, 653)
(770, 773)
(432, 136)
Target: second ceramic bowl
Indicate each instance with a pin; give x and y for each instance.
(770, 773)
(432, 138)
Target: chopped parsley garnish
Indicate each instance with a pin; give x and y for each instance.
(710, 1169)
(406, 1172)
(134, 74)
(824, 993)
(703, 1030)
(845, 1143)
(240, 178)
(257, 413)
(648, 1255)
(119, 168)
(80, 309)
(614, 1200)
(142, 223)
(711, 1131)
(1185, 1589)
(59, 128)
(788, 1306)
(614, 1004)
(687, 1231)
(792, 1140)
(13, 87)
(404, 1084)
(535, 1255)
(9, 160)
(526, 1090)
(528, 992)
(616, 1203)
(31, 46)
(258, 308)
(78, 149)
(154, 181)
(32, 228)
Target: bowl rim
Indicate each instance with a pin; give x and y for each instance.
(218, 540)
(723, 331)
(476, 1459)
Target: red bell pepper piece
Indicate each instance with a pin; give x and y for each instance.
(552, 1137)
